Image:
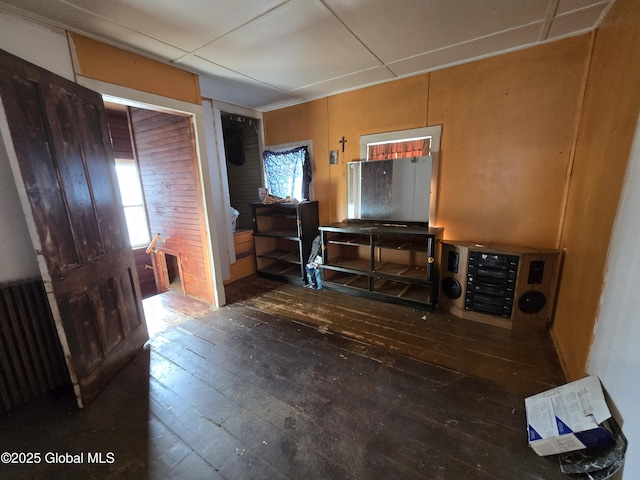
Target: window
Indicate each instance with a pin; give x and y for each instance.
(133, 202)
(288, 172)
(412, 147)
(407, 143)
(426, 138)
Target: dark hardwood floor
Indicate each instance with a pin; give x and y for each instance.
(523, 359)
(290, 383)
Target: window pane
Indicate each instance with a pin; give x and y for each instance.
(137, 225)
(129, 182)
(412, 147)
(285, 173)
(133, 202)
(297, 187)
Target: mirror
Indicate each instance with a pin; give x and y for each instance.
(396, 190)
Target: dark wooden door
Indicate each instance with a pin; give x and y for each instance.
(56, 135)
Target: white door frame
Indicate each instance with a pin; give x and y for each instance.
(136, 98)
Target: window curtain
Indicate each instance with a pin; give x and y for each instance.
(389, 151)
(288, 173)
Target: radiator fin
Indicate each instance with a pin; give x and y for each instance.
(31, 359)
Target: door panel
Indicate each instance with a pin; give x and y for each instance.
(59, 146)
(40, 179)
(60, 116)
(113, 233)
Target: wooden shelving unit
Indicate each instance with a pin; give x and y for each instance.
(396, 263)
(283, 234)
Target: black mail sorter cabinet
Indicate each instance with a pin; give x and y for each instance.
(395, 263)
(283, 234)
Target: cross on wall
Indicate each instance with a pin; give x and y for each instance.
(343, 141)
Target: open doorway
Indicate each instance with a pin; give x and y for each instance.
(162, 147)
(168, 270)
(174, 276)
(244, 164)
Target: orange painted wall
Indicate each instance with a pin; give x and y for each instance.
(395, 105)
(509, 125)
(607, 125)
(103, 62)
(391, 106)
(503, 158)
(307, 121)
(534, 149)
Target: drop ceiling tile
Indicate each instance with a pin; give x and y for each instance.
(348, 82)
(243, 95)
(276, 105)
(291, 50)
(566, 6)
(205, 67)
(487, 46)
(187, 24)
(576, 22)
(298, 44)
(80, 21)
(223, 84)
(397, 30)
(126, 39)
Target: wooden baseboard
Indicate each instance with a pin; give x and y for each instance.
(561, 359)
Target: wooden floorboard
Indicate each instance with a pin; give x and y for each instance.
(290, 383)
(523, 359)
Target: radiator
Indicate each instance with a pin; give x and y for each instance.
(31, 359)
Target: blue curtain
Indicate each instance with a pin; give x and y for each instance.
(288, 173)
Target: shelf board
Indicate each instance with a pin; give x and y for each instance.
(282, 268)
(418, 293)
(350, 239)
(360, 282)
(350, 263)
(277, 214)
(402, 243)
(401, 290)
(284, 255)
(277, 233)
(400, 270)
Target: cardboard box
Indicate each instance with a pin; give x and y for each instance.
(568, 418)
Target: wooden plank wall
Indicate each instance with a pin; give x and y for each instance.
(168, 168)
(31, 358)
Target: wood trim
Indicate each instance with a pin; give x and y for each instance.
(161, 269)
